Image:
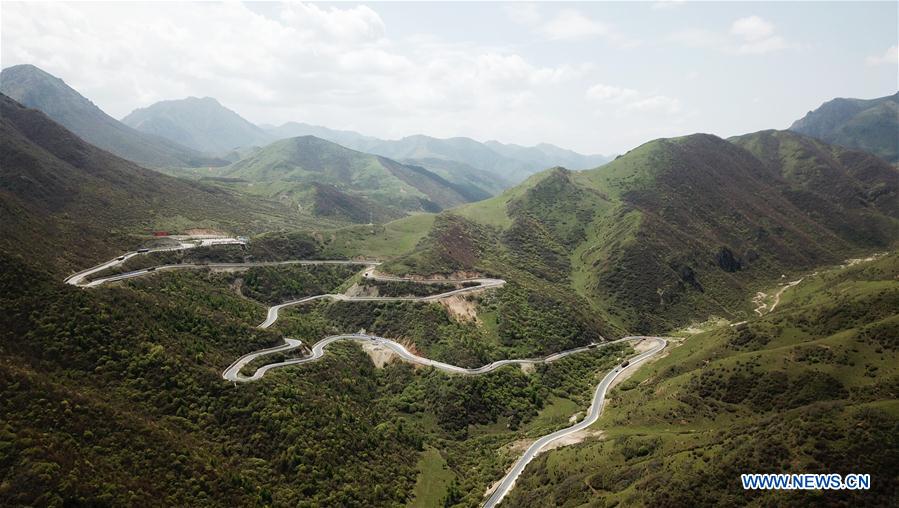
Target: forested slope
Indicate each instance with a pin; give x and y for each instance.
(678, 228)
(68, 204)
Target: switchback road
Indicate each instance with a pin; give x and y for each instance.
(233, 372)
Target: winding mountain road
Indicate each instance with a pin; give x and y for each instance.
(595, 411)
(77, 279)
(233, 372)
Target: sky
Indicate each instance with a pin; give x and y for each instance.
(593, 77)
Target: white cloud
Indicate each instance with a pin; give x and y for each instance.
(566, 25)
(752, 28)
(656, 103)
(758, 36)
(750, 35)
(698, 38)
(624, 100)
(571, 24)
(889, 57)
(608, 93)
(330, 65)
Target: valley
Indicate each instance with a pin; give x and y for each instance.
(433, 255)
(234, 372)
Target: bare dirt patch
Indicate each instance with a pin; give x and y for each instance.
(855, 261)
(520, 445)
(357, 290)
(697, 327)
(573, 438)
(380, 355)
(460, 308)
(237, 287)
(644, 345)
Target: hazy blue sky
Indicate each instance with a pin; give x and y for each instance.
(598, 77)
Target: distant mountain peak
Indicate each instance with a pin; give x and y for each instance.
(38, 89)
(871, 125)
(202, 123)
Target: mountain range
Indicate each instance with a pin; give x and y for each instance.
(677, 226)
(512, 163)
(37, 89)
(114, 395)
(342, 183)
(65, 200)
(865, 124)
(208, 126)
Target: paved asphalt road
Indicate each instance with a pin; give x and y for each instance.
(232, 373)
(599, 398)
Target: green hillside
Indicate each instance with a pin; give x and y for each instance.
(810, 387)
(546, 155)
(480, 184)
(870, 125)
(199, 123)
(852, 193)
(677, 228)
(67, 203)
(336, 181)
(37, 89)
(505, 164)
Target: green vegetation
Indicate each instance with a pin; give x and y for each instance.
(273, 285)
(434, 477)
(528, 325)
(66, 203)
(472, 421)
(868, 125)
(99, 385)
(263, 248)
(146, 359)
(114, 396)
(405, 288)
(674, 230)
(336, 182)
(809, 387)
(378, 241)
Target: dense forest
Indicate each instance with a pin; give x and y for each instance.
(146, 357)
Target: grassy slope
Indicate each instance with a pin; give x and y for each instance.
(675, 229)
(378, 241)
(464, 175)
(808, 388)
(434, 478)
(286, 169)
